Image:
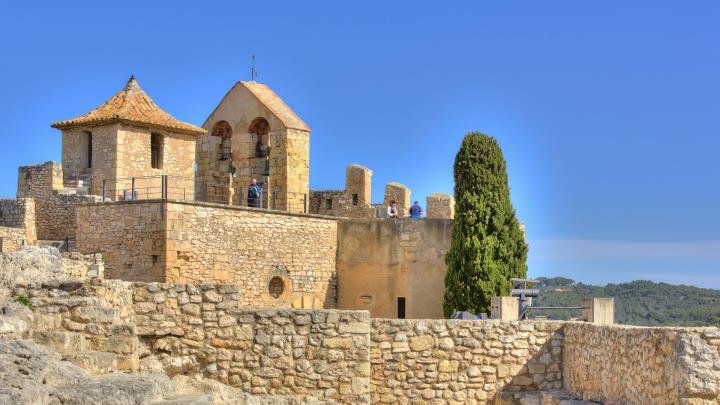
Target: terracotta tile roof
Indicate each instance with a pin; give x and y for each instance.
(130, 105)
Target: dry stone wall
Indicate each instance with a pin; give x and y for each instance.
(339, 203)
(639, 365)
(434, 361)
(200, 328)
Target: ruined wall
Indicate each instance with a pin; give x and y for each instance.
(154, 240)
(381, 260)
(341, 204)
(19, 213)
(210, 243)
(279, 352)
(11, 239)
(130, 235)
(630, 364)
(54, 204)
(462, 361)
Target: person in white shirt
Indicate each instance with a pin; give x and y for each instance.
(392, 210)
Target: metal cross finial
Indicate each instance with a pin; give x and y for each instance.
(253, 72)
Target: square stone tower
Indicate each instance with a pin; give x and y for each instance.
(128, 137)
(253, 134)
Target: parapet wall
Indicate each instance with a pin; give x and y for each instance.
(640, 365)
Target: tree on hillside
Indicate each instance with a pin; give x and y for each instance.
(487, 247)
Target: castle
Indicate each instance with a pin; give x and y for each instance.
(299, 295)
(170, 199)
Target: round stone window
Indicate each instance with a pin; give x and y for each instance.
(276, 287)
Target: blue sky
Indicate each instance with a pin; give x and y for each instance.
(608, 112)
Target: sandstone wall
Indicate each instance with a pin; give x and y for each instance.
(54, 204)
(341, 204)
(440, 205)
(154, 240)
(199, 328)
(11, 239)
(19, 213)
(382, 260)
(639, 365)
(131, 236)
(462, 361)
(211, 243)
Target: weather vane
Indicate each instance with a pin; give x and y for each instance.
(253, 72)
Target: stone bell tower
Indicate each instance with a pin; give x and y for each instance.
(253, 134)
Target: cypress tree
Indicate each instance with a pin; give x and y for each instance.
(487, 247)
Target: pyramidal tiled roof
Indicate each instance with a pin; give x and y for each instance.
(130, 105)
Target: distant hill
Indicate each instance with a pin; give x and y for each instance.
(636, 303)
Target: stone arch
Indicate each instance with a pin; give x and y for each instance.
(260, 128)
(223, 130)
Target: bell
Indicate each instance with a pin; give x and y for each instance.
(266, 171)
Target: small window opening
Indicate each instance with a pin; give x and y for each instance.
(276, 287)
(86, 150)
(156, 150)
(328, 204)
(154, 259)
(401, 307)
(355, 199)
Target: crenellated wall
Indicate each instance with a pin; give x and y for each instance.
(19, 213)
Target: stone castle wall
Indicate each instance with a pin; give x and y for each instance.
(440, 205)
(463, 361)
(380, 261)
(130, 235)
(54, 204)
(154, 240)
(208, 243)
(19, 213)
(640, 365)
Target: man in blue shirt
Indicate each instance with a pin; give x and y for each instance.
(415, 211)
(253, 196)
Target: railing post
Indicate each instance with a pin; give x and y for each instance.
(132, 189)
(305, 203)
(103, 189)
(164, 186)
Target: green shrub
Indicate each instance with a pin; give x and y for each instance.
(21, 299)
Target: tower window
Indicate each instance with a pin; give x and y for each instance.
(355, 199)
(328, 204)
(156, 150)
(86, 150)
(401, 307)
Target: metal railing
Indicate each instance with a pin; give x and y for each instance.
(213, 190)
